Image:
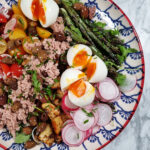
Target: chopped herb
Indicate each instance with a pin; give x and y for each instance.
(20, 95)
(121, 78)
(77, 135)
(54, 96)
(19, 61)
(1, 38)
(48, 91)
(94, 110)
(35, 82)
(21, 138)
(30, 71)
(10, 101)
(89, 114)
(35, 113)
(56, 80)
(21, 21)
(46, 97)
(9, 91)
(57, 107)
(23, 76)
(39, 65)
(39, 109)
(31, 38)
(95, 102)
(26, 67)
(86, 121)
(24, 41)
(48, 43)
(8, 31)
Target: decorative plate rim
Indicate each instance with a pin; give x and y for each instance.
(142, 81)
(143, 75)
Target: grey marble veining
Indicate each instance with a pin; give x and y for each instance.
(136, 136)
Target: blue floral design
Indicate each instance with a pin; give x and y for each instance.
(11, 2)
(15, 146)
(126, 31)
(62, 146)
(5, 136)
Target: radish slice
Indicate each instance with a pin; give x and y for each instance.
(108, 90)
(96, 117)
(82, 121)
(95, 129)
(72, 136)
(116, 99)
(129, 84)
(105, 114)
(88, 133)
(68, 122)
(10, 25)
(67, 103)
(72, 114)
(89, 107)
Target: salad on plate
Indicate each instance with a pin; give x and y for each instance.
(58, 72)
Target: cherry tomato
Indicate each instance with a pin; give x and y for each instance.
(3, 19)
(4, 71)
(16, 70)
(17, 51)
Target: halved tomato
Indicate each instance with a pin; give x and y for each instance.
(3, 19)
(16, 70)
(4, 71)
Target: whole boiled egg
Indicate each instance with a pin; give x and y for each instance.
(78, 56)
(96, 70)
(46, 11)
(69, 76)
(81, 93)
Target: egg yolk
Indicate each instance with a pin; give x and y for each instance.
(78, 88)
(81, 59)
(91, 68)
(38, 12)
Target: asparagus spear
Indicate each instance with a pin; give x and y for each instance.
(75, 36)
(87, 32)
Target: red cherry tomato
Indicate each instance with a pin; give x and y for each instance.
(16, 70)
(3, 19)
(4, 71)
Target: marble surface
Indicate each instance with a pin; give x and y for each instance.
(136, 136)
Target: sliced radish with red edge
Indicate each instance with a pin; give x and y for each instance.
(108, 90)
(129, 84)
(105, 114)
(72, 136)
(10, 25)
(88, 133)
(82, 121)
(67, 103)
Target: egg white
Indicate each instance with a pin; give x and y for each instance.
(84, 100)
(69, 76)
(51, 12)
(26, 9)
(72, 52)
(100, 72)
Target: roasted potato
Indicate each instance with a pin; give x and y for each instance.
(51, 110)
(43, 33)
(16, 10)
(17, 34)
(46, 136)
(57, 124)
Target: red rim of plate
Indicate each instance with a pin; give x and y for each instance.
(142, 82)
(143, 75)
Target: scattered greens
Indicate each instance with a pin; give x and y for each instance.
(39, 109)
(89, 114)
(21, 21)
(10, 101)
(121, 79)
(21, 138)
(78, 136)
(48, 91)
(86, 121)
(35, 82)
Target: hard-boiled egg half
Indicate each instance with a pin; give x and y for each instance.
(96, 70)
(70, 76)
(81, 93)
(78, 56)
(46, 11)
